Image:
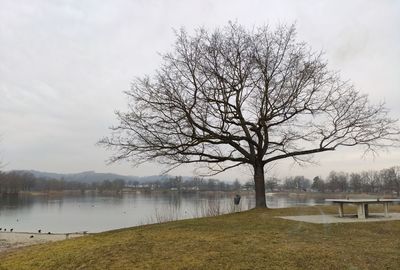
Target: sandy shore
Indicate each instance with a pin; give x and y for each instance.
(11, 240)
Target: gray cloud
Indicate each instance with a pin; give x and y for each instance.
(64, 65)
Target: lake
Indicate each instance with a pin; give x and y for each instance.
(96, 213)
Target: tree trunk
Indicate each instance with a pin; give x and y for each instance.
(259, 184)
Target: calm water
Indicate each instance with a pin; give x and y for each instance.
(95, 213)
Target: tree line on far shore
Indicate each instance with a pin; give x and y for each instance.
(383, 181)
(14, 182)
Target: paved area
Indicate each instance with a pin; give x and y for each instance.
(325, 219)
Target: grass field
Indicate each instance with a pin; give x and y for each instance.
(254, 239)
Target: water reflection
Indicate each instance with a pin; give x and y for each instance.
(95, 213)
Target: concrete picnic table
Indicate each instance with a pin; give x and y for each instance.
(362, 205)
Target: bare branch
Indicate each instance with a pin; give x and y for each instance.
(234, 96)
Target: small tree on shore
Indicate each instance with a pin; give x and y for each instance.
(318, 184)
(391, 179)
(235, 97)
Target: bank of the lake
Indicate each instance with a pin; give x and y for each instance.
(254, 239)
(14, 240)
(92, 212)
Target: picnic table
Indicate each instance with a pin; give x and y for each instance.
(362, 205)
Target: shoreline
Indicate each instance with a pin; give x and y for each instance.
(225, 242)
(14, 240)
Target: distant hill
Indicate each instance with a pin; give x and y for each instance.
(92, 176)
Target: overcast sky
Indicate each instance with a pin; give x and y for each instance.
(64, 65)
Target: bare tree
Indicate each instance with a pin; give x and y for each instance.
(318, 184)
(391, 179)
(337, 181)
(236, 97)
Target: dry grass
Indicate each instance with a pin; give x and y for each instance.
(249, 240)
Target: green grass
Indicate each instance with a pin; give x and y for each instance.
(254, 239)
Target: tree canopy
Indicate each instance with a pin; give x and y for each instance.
(235, 96)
